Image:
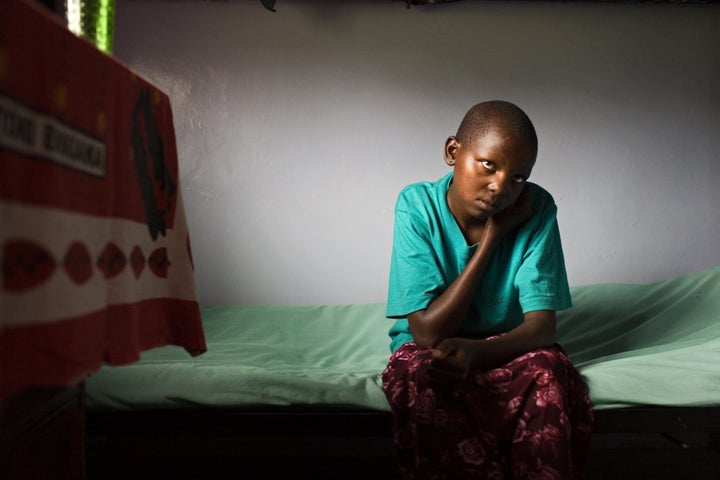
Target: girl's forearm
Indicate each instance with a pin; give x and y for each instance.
(536, 331)
(445, 314)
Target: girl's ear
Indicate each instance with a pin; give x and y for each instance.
(451, 148)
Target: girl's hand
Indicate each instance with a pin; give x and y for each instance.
(451, 361)
(514, 215)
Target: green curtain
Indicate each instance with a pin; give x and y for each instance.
(92, 19)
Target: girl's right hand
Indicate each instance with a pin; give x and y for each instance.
(505, 221)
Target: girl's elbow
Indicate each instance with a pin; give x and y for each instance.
(426, 332)
(426, 341)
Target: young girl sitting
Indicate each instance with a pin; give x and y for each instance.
(477, 386)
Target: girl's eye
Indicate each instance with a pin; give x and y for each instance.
(519, 179)
(488, 165)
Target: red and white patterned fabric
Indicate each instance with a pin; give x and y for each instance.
(529, 419)
(94, 245)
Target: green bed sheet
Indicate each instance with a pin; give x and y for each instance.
(651, 344)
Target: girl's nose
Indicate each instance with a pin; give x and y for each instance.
(498, 183)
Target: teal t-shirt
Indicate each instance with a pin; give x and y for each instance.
(526, 272)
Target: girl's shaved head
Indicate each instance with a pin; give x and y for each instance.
(496, 113)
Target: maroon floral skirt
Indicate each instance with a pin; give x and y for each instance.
(531, 418)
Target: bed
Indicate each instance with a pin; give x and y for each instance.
(296, 389)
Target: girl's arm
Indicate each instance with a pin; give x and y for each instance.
(445, 314)
(454, 358)
(443, 317)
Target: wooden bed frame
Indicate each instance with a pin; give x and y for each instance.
(629, 443)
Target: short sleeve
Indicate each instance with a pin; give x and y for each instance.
(415, 276)
(541, 279)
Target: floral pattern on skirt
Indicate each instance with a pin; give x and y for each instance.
(529, 419)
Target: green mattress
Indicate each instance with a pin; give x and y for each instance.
(652, 344)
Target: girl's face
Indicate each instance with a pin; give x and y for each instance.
(489, 174)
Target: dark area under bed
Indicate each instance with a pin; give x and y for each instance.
(634, 443)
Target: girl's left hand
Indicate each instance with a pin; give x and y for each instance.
(451, 361)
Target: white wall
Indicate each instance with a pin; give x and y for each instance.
(297, 129)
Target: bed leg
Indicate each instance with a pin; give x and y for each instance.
(675, 440)
(715, 440)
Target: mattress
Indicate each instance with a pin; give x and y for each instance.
(635, 344)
